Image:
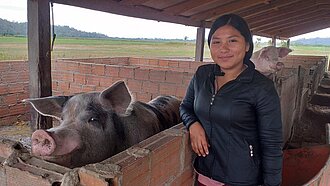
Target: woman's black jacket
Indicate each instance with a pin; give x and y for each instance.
(243, 125)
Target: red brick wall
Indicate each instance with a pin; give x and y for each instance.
(14, 83)
(146, 78)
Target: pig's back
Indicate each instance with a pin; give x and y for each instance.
(167, 110)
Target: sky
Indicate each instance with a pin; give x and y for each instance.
(114, 25)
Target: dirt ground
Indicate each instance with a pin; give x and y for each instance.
(19, 131)
(311, 129)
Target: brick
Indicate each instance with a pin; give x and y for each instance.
(54, 85)
(165, 159)
(31, 177)
(56, 75)
(98, 69)
(88, 179)
(174, 77)
(9, 99)
(63, 86)
(19, 66)
(67, 77)
(105, 81)
(135, 171)
(134, 85)
(23, 77)
(4, 66)
(21, 96)
(112, 71)
(141, 74)
(72, 66)
(173, 64)
(88, 88)
(187, 78)
(92, 80)
(4, 89)
(195, 65)
(154, 62)
(144, 61)
(158, 76)
(85, 68)
(79, 78)
(16, 87)
(133, 61)
(60, 66)
(18, 109)
(10, 77)
(148, 86)
(99, 174)
(144, 97)
(167, 89)
(184, 64)
(75, 88)
(163, 63)
(125, 72)
(4, 110)
(181, 92)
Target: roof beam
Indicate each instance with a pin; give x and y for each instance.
(291, 23)
(263, 8)
(284, 18)
(185, 6)
(133, 2)
(258, 19)
(132, 11)
(228, 8)
(303, 28)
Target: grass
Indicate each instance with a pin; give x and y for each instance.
(15, 48)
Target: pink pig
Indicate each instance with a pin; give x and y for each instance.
(266, 59)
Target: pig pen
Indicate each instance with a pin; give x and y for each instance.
(163, 159)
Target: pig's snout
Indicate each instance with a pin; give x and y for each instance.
(42, 143)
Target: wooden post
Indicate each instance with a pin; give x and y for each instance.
(288, 43)
(274, 41)
(200, 40)
(39, 57)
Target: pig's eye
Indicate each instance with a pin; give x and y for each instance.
(93, 119)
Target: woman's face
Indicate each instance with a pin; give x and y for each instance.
(228, 48)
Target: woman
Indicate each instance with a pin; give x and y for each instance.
(233, 113)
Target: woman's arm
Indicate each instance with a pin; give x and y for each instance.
(187, 106)
(270, 135)
(197, 134)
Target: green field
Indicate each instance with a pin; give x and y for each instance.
(15, 48)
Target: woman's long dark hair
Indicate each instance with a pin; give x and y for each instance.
(239, 24)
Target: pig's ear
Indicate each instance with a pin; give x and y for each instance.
(49, 106)
(283, 51)
(116, 97)
(264, 52)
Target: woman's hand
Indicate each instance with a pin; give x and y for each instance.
(198, 139)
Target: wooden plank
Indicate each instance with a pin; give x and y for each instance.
(228, 8)
(39, 57)
(273, 15)
(180, 8)
(200, 40)
(303, 28)
(132, 11)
